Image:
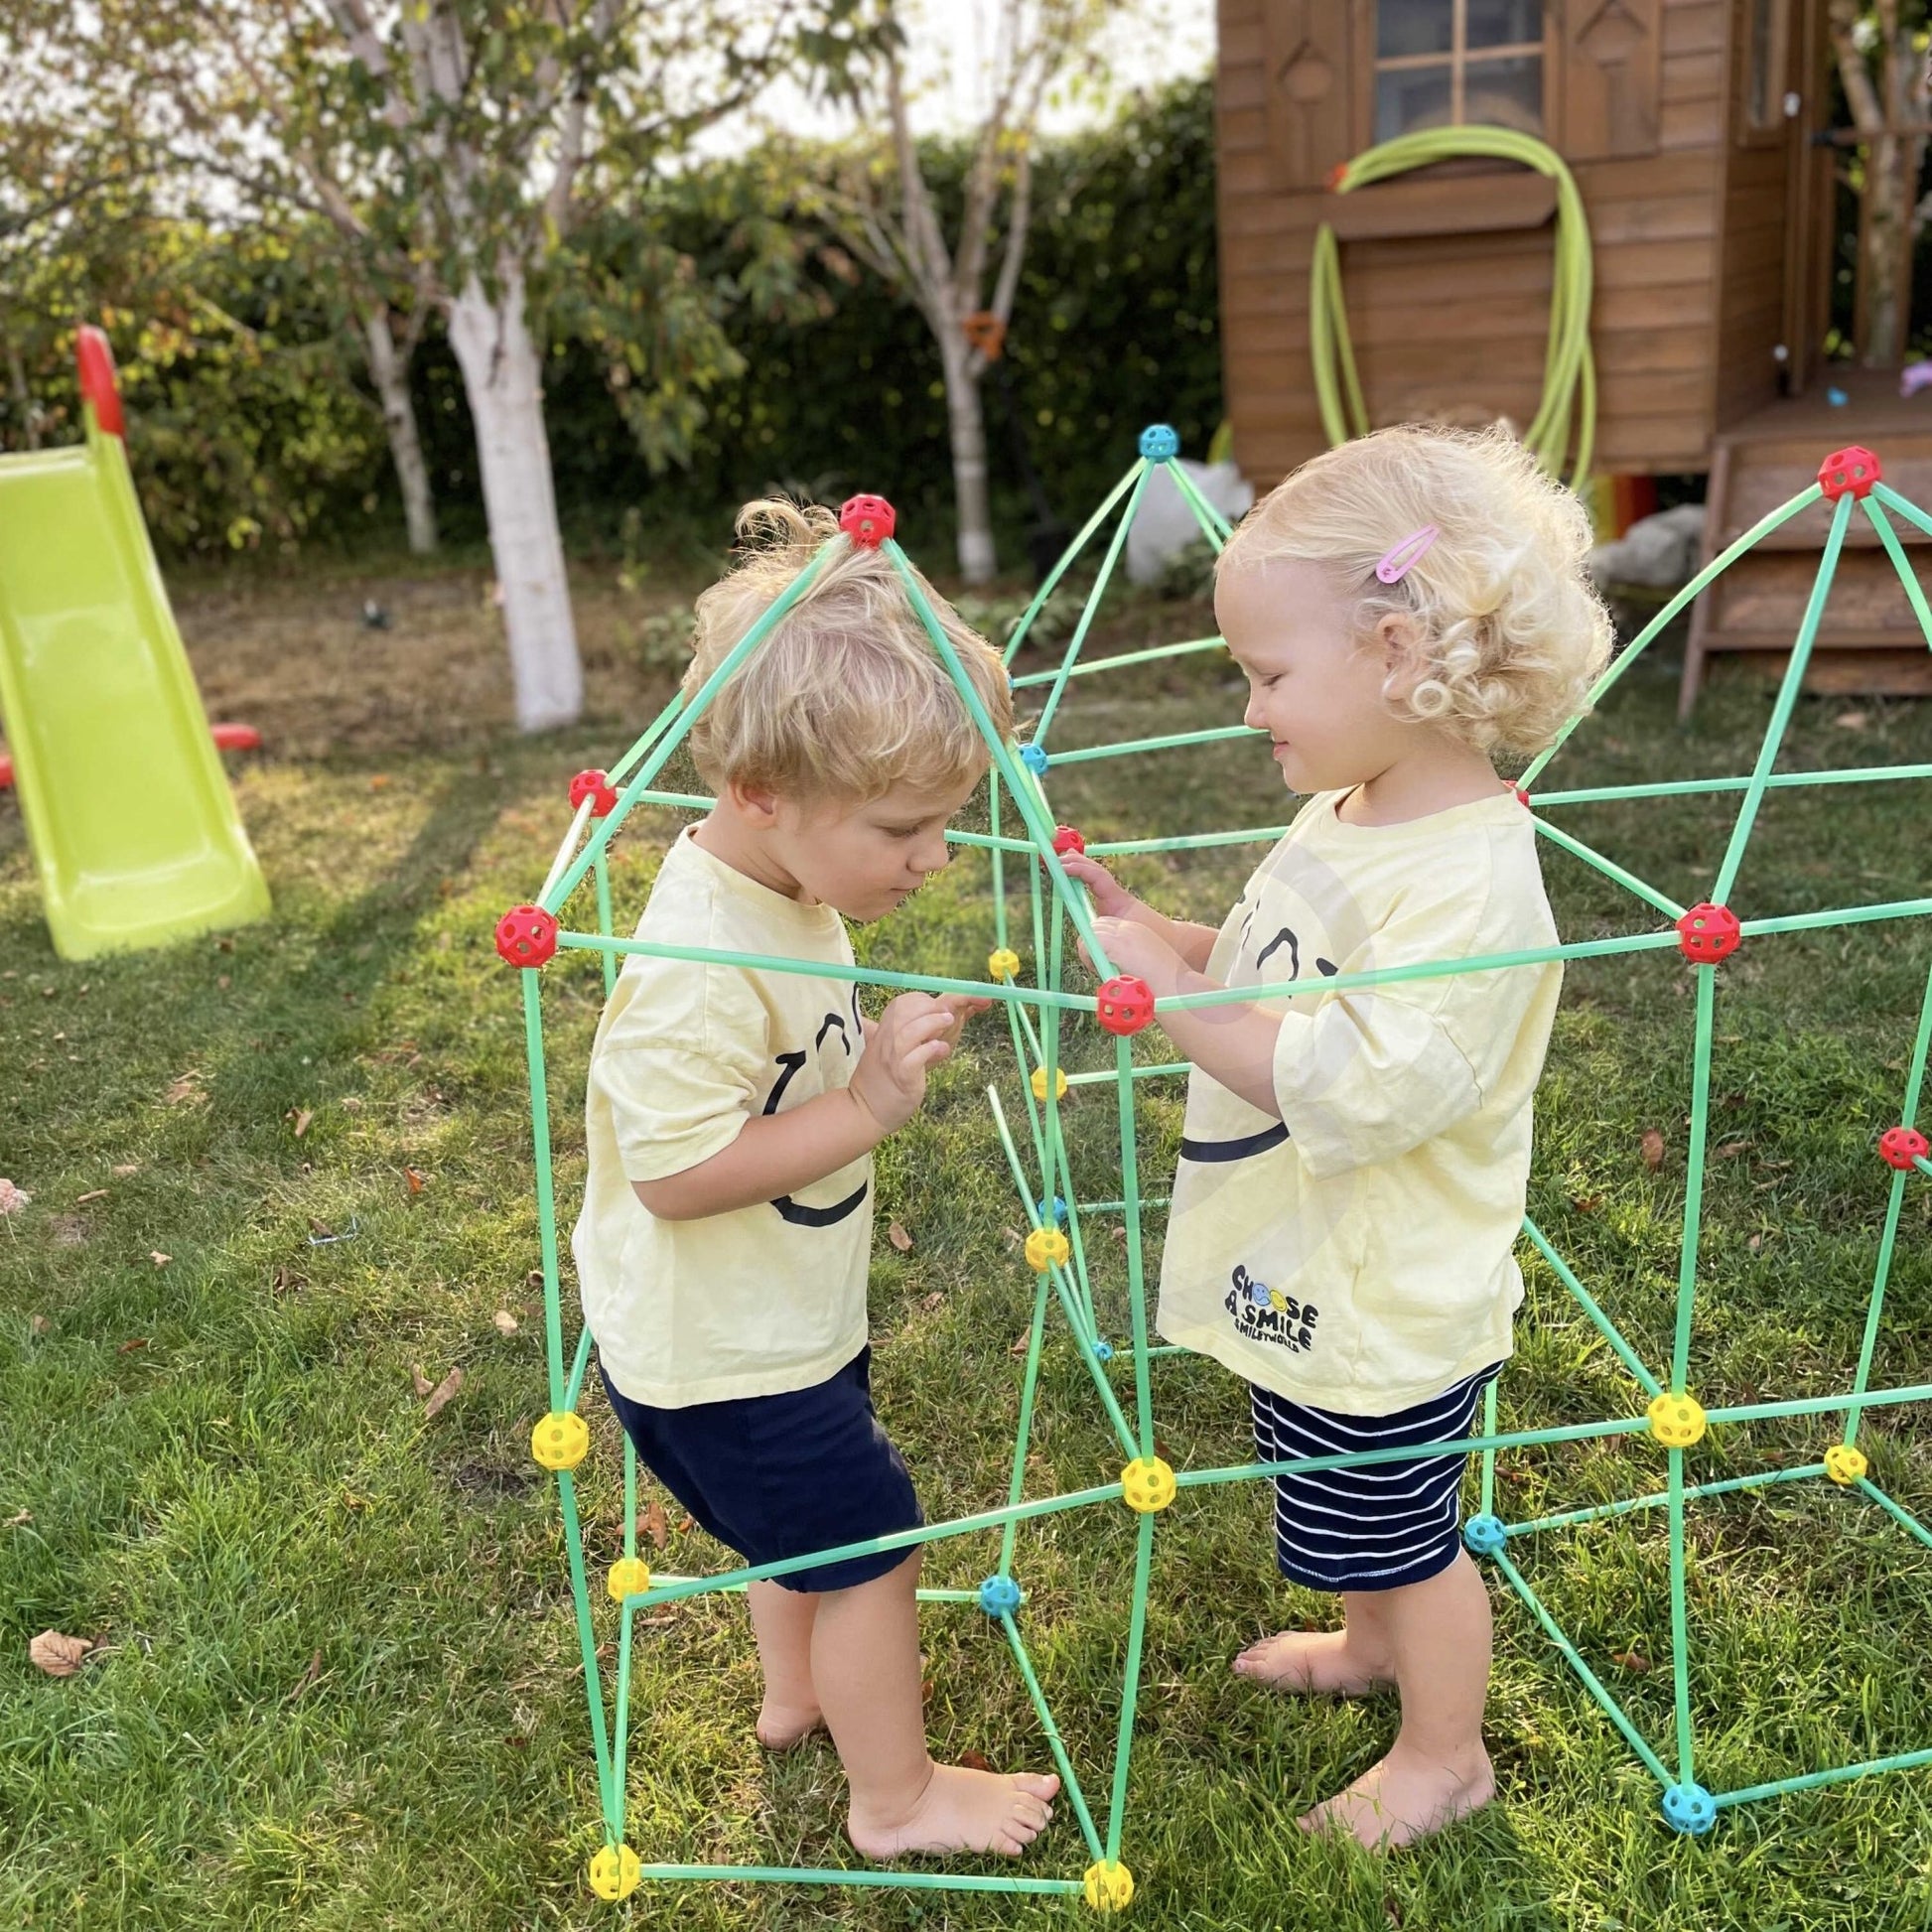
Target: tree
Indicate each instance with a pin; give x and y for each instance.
(888, 215)
(458, 144)
(1883, 67)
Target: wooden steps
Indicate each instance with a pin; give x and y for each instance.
(1869, 641)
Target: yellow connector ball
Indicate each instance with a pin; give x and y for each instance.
(630, 1577)
(614, 1873)
(1003, 965)
(1845, 1464)
(1039, 1083)
(1677, 1421)
(1109, 1887)
(1146, 1483)
(560, 1441)
(1047, 1248)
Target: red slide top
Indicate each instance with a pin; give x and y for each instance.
(96, 364)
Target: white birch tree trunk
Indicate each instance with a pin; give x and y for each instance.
(966, 430)
(503, 377)
(392, 378)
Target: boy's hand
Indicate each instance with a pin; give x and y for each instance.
(962, 1006)
(1133, 948)
(915, 1031)
(1111, 900)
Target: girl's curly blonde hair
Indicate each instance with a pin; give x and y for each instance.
(1509, 632)
(847, 697)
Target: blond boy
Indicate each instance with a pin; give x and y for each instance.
(732, 1114)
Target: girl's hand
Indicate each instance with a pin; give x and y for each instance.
(962, 1006)
(1134, 950)
(1111, 900)
(914, 1033)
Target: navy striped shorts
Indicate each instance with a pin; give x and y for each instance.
(1367, 1528)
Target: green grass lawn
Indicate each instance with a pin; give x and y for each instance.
(337, 1681)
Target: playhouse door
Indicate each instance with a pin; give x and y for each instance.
(1811, 209)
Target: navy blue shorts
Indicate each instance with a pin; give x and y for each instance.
(1368, 1528)
(774, 1476)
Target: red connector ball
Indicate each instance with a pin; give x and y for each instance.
(1849, 472)
(1124, 1004)
(1522, 796)
(526, 935)
(1066, 839)
(1707, 933)
(1899, 1147)
(595, 787)
(867, 520)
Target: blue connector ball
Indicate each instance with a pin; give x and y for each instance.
(1688, 1808)
(1052, 1211)
(1158, 442)
(999, 1596)
(1103, 1350)
(1484, 1535)
(1035, 759)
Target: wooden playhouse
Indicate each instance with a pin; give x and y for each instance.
(1697, 133)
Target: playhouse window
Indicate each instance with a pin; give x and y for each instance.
(1764, 69)
(1445, 63)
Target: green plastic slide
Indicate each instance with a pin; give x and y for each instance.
(128, 811)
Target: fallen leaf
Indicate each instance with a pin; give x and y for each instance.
(1653, 1149)
(1756, 1243)
(18, 1519)
(1021, 1346)
(507, 1322)
(933, 1300)
(685, 1523)
(975, 1761)
(158, 1258)
(1014, 1236)
(419, 1379)
(353, 1503)
(1851, 721)
(534, 1279)
(99, 1193)
(12, 1199)
(381, 783)
(57, 1655)
(414, 1179)
(222, 982)
(654, 1525)
(439, 1397)
(302, 1116)
(127, 1168)
(517, 1744)
(1587, 1203)
(899, 1239)
(350, 1104)
(128, 1347)
(40, 1325)
(185, 1088)
(1633, 1659)
(1731, 1150)
(307, 1678)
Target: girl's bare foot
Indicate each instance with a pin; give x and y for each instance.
(959, 1811)
(783, 1725)
(1315, 1662)
(1406, 1797)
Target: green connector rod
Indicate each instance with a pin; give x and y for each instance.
(1698, 787)
(1075, 643)
(1054, 1742)
(1604, 1326)
(1896, 1511)
(1072, 550)
(1121, 659)
(791, 1875)
(1625, 1505)
(1174, 740)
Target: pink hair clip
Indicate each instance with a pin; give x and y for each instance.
(1397, 563)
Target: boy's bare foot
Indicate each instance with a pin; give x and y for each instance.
(1404, 1798)
(783, 1725)
(960, 1811)
(1315, 1663)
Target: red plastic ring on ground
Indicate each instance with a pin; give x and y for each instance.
(526, 935)
(867, 520)
(1066, 839)
(593, 785)
(94, 360)
(1124, 1004)
(1707, 933)
(1899, 1147)
(1849, 472)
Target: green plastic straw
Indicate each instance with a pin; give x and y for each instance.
(1880, 522)
(1120, 661)
(1092, 605)
(1812, 1780)
(1130, 1682)
(1611, 869)
(1214, 525)
(1069, 1783)
(1896, 1511)
(1624, 1505)
(609, 1791)
(1572, 1657)
(799, 1875)
(1072, 550)
(1687, 1265)
(553, 1320)
(1856, 774)
(1604, 1326)
(1022, 1431)
(1173, 740)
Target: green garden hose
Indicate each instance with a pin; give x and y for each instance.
(1569, 371)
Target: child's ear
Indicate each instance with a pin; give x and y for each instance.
(757, 804)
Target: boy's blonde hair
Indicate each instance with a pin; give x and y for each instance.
(848, 696)
(1510, 631)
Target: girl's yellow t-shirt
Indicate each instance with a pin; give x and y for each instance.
(766, 1299)
(1357, 1254)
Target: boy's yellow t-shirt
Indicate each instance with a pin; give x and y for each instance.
(762, 1299)
(1357, 1254)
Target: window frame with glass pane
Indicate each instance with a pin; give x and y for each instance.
(1430, 56)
